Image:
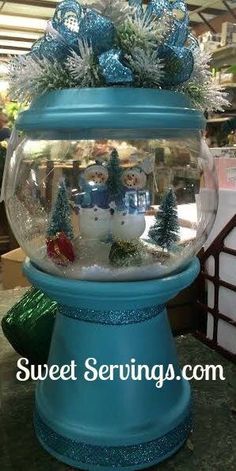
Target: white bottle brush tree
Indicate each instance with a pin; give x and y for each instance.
(165, 231)
(60, 220)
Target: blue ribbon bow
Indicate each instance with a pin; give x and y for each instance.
(73, 22)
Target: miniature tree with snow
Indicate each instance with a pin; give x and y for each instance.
(114, 182)
(60, 220)
(165, 230)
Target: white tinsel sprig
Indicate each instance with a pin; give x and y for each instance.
(116, 10)
(83, 67)
(205, 93)
(30, 77)
(148, 69)
(207, 97)
(201, 69)
(216, 98)
(144, 32)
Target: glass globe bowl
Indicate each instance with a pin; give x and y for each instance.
(109, 185)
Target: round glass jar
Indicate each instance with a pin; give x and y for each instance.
(111, 184)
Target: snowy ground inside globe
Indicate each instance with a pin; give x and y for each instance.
(92, 263)
(98, 272)
(92, 256)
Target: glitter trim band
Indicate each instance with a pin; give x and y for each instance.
(117, 456)
(111, 317)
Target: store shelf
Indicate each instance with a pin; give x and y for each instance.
(224, 56)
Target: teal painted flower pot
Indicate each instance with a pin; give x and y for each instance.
(112, 424)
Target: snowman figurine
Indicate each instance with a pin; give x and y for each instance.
(93, 204)
(129, 222)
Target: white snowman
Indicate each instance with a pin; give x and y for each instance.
(127, 226)
(95, 223)
(94, 211)
(129, 223)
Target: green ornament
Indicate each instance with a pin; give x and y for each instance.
(29, 324)
(126, 253)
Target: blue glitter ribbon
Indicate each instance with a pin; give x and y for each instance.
(178, 64)
(50, 48)
(137, 5)
(67, 20)
(73, 22)
(179, 13)
(113, 70)
(178, 59)
(98, 31)
(180, 24)
(113, 456)
(111, 317)
(192, 42)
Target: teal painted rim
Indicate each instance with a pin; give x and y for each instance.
(108, 289)
(105, 112)
(117, 295)
(141, 455)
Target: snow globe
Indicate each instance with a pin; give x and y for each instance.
(111, 191)
(123, 207)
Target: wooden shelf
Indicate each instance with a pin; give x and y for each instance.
(224, 56)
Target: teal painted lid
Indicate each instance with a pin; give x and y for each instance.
(91, 113)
